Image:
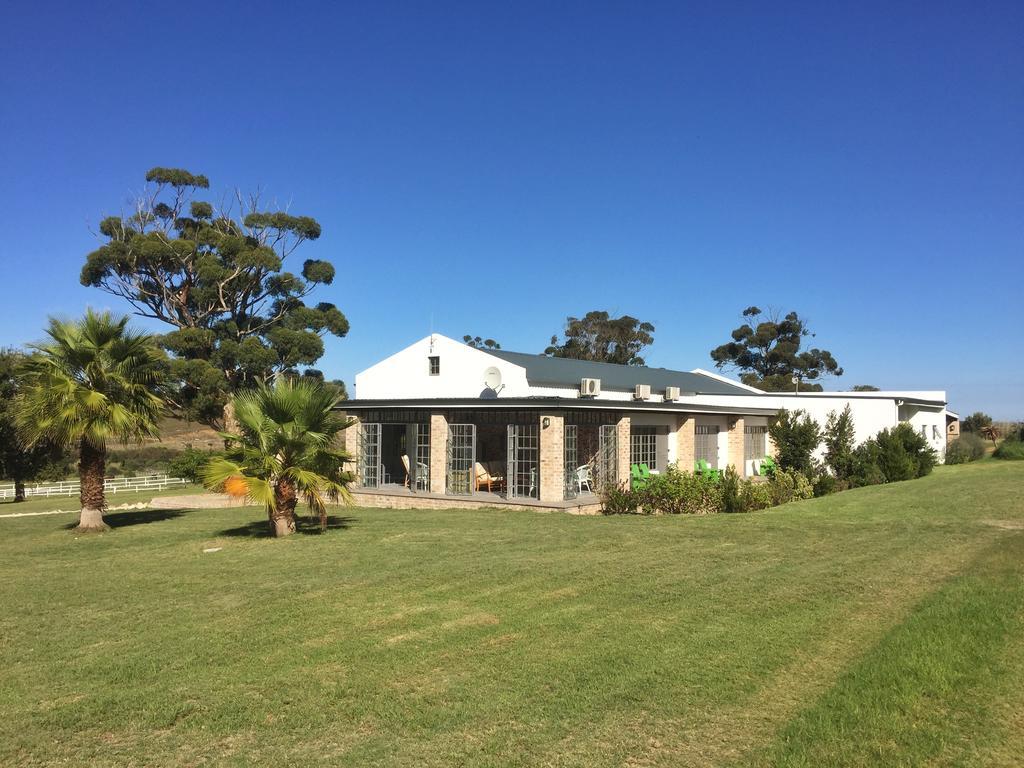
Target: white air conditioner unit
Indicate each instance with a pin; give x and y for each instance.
(590, 387)
(642, 392)
(671, 393)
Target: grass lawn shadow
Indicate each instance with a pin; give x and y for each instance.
(309, 526)
(135, 517)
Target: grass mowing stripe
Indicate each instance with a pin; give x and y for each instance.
(925, 693)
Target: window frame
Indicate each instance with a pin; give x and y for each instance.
(643, 446)
(755, 434)
(705, 439)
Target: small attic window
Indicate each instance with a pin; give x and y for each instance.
(435, 365)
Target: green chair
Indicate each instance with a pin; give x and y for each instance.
(703, 468)
(636, 476)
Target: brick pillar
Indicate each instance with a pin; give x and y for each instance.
(350, 443)
(552, 458)
(736, 441)
(622, 446)
(685, 450)
(769, 446)
(438, 452)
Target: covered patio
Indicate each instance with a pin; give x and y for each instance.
(550, 453)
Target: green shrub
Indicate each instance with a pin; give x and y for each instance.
(755, 496)
(796, 436)
(824, 484)
(188, 463)
(893, 459)
(839, 437)
(786, 486)
(619, 500)
(674, 492)
(892, 455)
(968, 447)
(1010, 449)
(731, 489)
(866, 470)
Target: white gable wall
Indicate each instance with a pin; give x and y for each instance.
(406, 374)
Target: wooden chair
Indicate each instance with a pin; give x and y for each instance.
(485, 477)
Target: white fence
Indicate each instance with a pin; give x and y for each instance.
(110, 485)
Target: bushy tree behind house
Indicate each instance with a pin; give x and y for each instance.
(768, 351)
(796, 436)
(976, 422)
(480, 343)
(601, 338)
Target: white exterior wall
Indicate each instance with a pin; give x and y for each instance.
(934, 423)
(406, 374)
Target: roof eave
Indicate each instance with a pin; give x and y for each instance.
(552, 403)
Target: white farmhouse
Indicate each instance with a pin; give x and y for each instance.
(441, 423)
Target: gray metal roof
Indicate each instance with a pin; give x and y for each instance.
(543, 371)
(548, 404)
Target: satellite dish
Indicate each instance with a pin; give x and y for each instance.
(492, 378)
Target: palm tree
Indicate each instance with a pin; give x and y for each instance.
(285, 447)
(94, 380)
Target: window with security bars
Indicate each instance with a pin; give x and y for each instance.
(423, 457)
(755, 443)
(460, 459)
(570, 459)
(523, 460)
(705, 445)
(643, 446)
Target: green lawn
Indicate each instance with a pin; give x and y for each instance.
(882, 626)
(45, 504)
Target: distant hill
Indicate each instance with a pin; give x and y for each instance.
(178, 434)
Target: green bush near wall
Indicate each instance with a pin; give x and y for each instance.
(1011, 449)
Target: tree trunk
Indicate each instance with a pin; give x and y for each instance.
(282, 519)
(92, 464)
(230, 422)
(19, 489)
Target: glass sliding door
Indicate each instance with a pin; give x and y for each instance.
(460, 459)
(606, 470)
(369, 456)
(417, 446)
(523, 460)
(570, 459)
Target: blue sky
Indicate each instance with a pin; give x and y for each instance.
(492, 168)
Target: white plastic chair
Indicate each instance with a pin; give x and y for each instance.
(582, 478)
